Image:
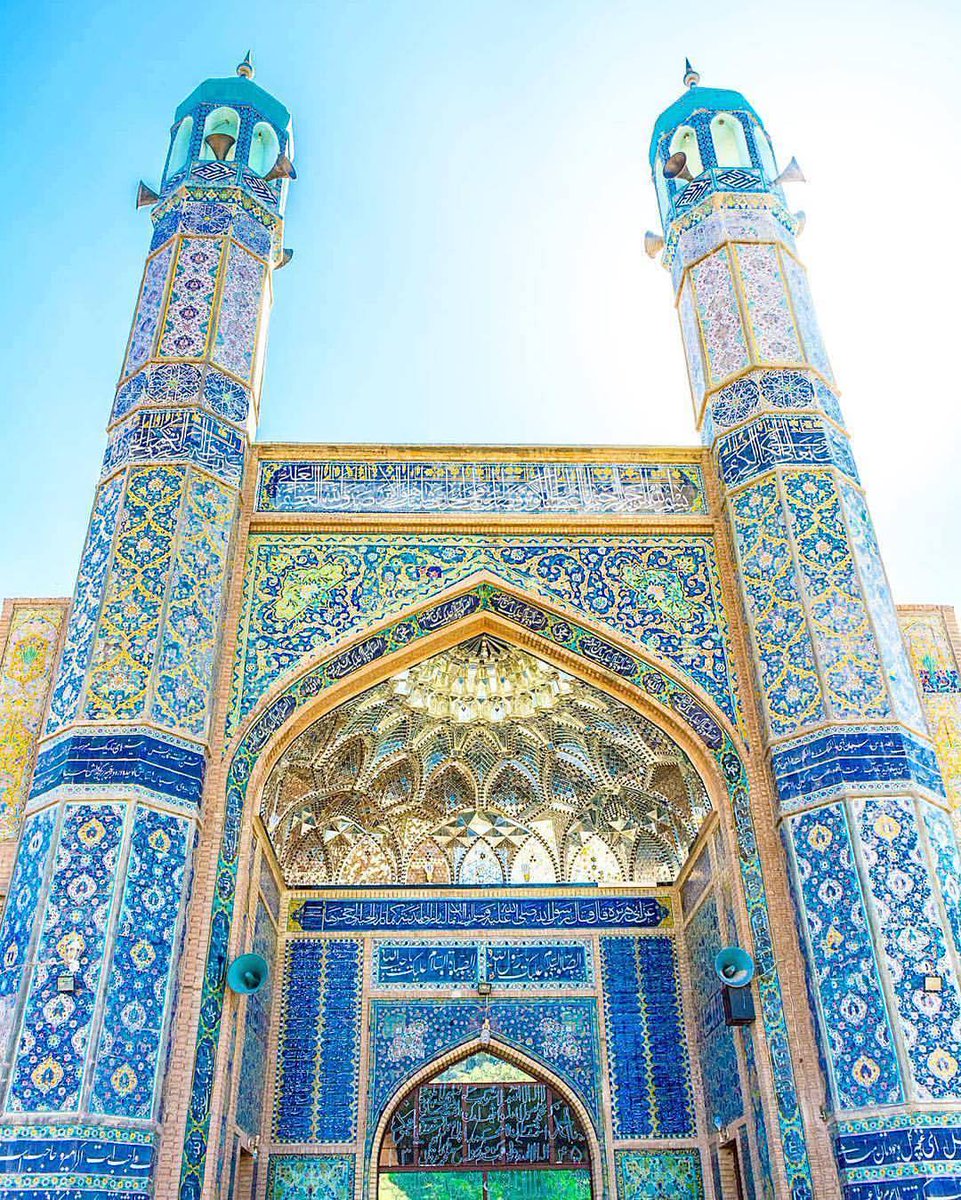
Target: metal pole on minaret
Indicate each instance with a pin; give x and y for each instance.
(862, 812)
(96, 910)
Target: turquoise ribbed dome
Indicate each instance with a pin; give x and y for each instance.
(713, 99)
(235, 91)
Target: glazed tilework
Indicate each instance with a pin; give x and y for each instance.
(852, 675)
(773, 331)
(137, 997)
(769, 391)
(947, 863)
(187, 318)
(517, 964)
(805, 315)
(929, 645)
(877, 595)
(789, 679)
(654, 1174)
(20, 914)
(27, 666)
(83, 1161)
(178, 436)
(136, 587)
(766, 1189)
(181, 384)
(309, 1177)
(124, 761)
(240, 306)
(663, 689)
(691, 337)
(149, 307)
(316, 1097)
(698, 878)
(910, 1156)
(343, 916)
(84, 611)
(253, 1063)
(715, 1040)
(188, 644)
(354, 486)
(407, 1034)
(913, 942)
(856, 1031)
(739, 218)
(650, 1074)
(49, 1060)
(305, 591)
(779, 440)
(840, 761)
(721, 330)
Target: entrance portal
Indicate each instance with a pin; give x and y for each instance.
(484, 1130)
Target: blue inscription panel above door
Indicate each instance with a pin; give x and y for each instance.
(506, 964)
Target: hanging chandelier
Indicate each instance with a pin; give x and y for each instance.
(483, 679)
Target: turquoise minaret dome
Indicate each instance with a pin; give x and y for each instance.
(231, 132)
(723, 141)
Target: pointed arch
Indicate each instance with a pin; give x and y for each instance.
(508, 1054)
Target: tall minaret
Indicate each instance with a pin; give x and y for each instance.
(90, 936)
(862, 811)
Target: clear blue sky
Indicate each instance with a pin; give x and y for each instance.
(467, 224)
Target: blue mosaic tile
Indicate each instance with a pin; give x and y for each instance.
(178, 435)
(70, 1161)
(864, 1067)
(610, 912)
(839, 761)
(318, 1068)
(20, 913)
(715, 1040)
(138, 990)
(310, 1177)
(51, 1053)
(650, 1074)
(253, 1063)
(654, 1174)
(781, 440)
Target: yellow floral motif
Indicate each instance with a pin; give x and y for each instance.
(26, 672)
(820, 837)
(70, 947)
(142, 954)
(943, 1064)
(887, 827)
(47, 1074)
(866, 1071)
(833, 940)
(307, 587)
(159, 841)
(91, 832)
(124, 1080)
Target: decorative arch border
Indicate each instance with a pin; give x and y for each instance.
(509, 1054)
(573, 645)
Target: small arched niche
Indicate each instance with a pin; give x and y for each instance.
(685, 140)
(484, 1129)
(730, 144)
(765, 153)
(264, 148)
(180, 147)
(221, 131)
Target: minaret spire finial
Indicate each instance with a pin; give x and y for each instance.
(246, 69)
(691, 77)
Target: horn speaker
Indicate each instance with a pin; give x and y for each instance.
(734, 966)
(220, 144)
(676, 167)
(247, 974)
(283, 168)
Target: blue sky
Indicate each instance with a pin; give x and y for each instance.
(467, 225)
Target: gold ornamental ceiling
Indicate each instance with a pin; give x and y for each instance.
(482, 765)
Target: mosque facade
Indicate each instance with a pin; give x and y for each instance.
(492, 823)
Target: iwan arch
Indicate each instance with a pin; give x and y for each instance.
(483, 754)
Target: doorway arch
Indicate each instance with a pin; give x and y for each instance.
(573, 1155)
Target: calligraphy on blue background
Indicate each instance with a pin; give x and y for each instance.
(406, 965)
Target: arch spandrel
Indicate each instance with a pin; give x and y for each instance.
(306, 593)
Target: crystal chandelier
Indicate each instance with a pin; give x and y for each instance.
(481, 680)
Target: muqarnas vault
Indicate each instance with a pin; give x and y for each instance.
(476, 758)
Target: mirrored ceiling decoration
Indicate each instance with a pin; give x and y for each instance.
(483, 765)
